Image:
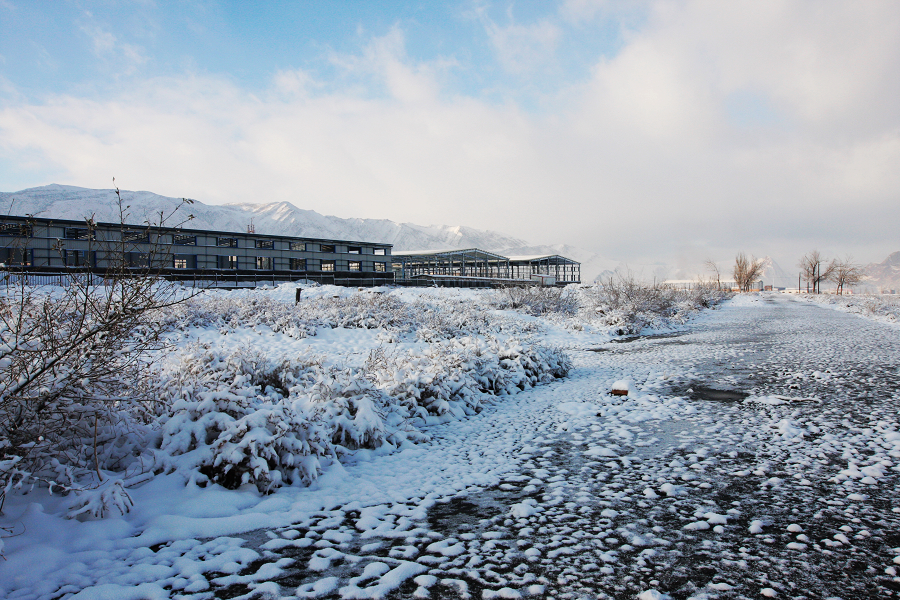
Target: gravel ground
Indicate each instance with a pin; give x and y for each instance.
(756, 455)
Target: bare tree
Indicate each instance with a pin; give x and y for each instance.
(711, 265)
(815, 271)
(746, 271)
(846, 272)
(73, 360)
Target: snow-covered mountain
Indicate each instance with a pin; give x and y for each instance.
(773, 274)
(278, 218)
(885, 274)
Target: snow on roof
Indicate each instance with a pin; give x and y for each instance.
(554, 258)
(451, 252)
(533, 257)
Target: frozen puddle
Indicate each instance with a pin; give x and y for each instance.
(699, 392)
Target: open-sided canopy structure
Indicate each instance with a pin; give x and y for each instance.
(475, 264)
(565, 270)
(470, 262)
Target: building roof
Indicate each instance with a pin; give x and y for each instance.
(156, 228)
(549, 257)
(425, 254)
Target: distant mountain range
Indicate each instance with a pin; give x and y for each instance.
(878, 276)
(280, 218)
(885, 274)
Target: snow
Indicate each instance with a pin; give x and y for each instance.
(558, 488)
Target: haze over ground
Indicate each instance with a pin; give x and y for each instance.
(647, 132)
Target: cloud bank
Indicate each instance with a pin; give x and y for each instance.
(713, 127)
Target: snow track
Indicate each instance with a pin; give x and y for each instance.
(757, 455)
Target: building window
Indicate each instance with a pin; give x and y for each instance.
(265, 244)
(180, 239)
(378, 252)
(226, 242)
(74, 258)
(298, 264)
(379, 267)
(328, 265)
(298, 246)
(264, 263)
(184, 261)
(16, 229)
(136, 237)
(326, 248)
(354, 265)
(137, 260)
(15, 256)
(354, 250)
(228, 262)
(78, 233)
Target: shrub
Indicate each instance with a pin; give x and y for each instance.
(244, 418)
(232, 418)
(629, 305)
(539, 300)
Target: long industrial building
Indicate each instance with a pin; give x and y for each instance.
(220, 258)
(227, 259)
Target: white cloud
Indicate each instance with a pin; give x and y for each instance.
(627, 12)
(106, 47)
(521, 48)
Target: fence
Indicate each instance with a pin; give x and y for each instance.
(237, 281)
(58, 279)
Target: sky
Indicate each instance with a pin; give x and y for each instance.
(647, 131)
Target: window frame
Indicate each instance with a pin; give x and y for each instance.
(16, 230)
(227, 262)
(135, 236)
(182, 239)
(78, 233)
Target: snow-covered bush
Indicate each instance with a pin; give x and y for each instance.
(622, 303)
(245, 418)
(107, 415)
(73, 363)
(234, 418)
(629, 305)
(109, 498)
(427, 318)
(538, 300)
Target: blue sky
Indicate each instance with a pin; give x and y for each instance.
(650, 130)
(89, 47)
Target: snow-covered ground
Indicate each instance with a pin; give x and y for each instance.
(756, 454)
(884, 308)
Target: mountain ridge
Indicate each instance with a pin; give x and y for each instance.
(281, 218)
